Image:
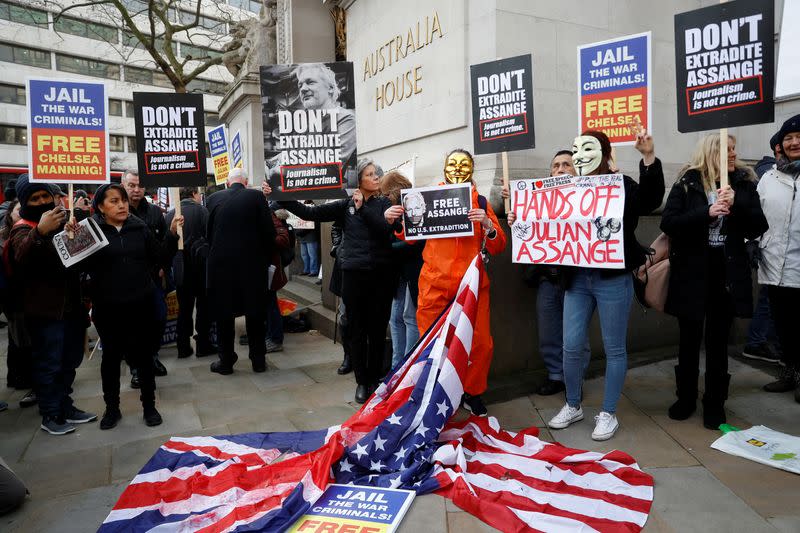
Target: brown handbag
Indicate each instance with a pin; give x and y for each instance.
(653, 276)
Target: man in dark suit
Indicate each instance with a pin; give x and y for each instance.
(190, 277)
(241, 236)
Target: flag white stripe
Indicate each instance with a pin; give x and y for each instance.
(551, 523)
(226, 446)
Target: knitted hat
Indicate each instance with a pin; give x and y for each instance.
(791, 125)
(25, 189)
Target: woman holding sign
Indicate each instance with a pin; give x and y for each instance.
(446, 260)
(123, 305)
(368, 278)
(610, 291)
(709, 282)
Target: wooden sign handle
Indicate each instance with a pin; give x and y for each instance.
(71, 204)
(175, 199)
(723, 157)
(507, 201)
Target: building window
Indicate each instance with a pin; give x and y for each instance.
(131, 144)
(206, 86)
(250, 5)
(114, 107)
(211, 24)
(198, 52)
(135, 7)
(128, 105)
(12, 94)
(147, 77)
(129, 39)
(82, 28)
(116, 143)
(212, 120)
(87, 67)
(13, 135)
(23, 15)
(24, 56)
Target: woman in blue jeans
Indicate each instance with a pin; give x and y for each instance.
(610, 291)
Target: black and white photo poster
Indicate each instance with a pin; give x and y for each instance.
(437, 212)
(170, 139)
(502, 105)
(724, 65)
(309, 130)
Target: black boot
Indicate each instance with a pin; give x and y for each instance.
(714, 401)
(362, 393)
(686, 383)
(344, 334)
(345, 367)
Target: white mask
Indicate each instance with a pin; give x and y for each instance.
(587, 154)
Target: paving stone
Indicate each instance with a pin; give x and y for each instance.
(637, 436)
(304, 350)
(268, 424)
(657, 524)
(325, 394)
(786, 524)
(227, 410)
(324, 417)
(326, 372)
(65, 473)
(516, 414)
(426, 514)
(692, 499)
(276, 379)
(776, 411)
(462, 522)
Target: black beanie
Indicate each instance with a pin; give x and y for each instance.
(101, 192)
(791, 125)
(25, 189)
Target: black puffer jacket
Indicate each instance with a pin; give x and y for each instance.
(367, 239)
(685, 220)
(121, 272)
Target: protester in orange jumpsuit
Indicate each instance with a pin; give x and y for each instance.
(446, 261)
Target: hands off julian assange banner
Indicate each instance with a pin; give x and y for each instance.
(169, 138)
(437, 212)
(724, 65)
(67, 131)
(569, 220)
(502, 105)
(614, 87)
(309, 130)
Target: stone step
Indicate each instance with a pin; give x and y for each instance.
(306, 280)
(303, 294)
(309, 299)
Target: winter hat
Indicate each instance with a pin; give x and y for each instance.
(25, 189)
(775, 139)
(791, 125)
(56, 190)
(100, 195)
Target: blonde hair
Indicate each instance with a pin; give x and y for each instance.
(705, 160)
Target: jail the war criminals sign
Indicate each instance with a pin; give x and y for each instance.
(309, 130)
(502, 105)
(569, 220)
(170, 139)
(437, 212)
(724, 65)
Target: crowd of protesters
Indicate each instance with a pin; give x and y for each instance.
(236, 247)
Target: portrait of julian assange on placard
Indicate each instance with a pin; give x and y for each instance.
(309, 130)
(437, 212)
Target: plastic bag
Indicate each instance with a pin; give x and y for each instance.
(762, 445)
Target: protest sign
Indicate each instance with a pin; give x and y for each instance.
(67, 131)
(299, 223)
(309, 130)
(724, 65)
(218, 146)
(357, 509)
(502, 105)
(788, 75)
(169, 138)
(170, 335)
(614, 87)
(73, 247)
(569, 220)
(437, 212)
(236, 150)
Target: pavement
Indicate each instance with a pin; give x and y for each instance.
(74, 480)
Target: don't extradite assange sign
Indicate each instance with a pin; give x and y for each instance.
(67, 131)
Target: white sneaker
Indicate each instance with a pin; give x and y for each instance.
(605, 426)
(566, 416)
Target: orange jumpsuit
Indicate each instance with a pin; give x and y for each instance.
(446, 260)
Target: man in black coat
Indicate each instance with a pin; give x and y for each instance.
(190, 278)
(241, 236)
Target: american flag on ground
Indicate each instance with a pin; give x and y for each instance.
(401, 438)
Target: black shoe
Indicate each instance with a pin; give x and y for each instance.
(76, 416)
(204, 350)
(110, 419)
(135, 380)
(762, 352)
(221, 368)
(184, 352)
(159, 369)
(243, 341)
(362, 393)
(152, 417)
(29, 400)
(259, 366)
(714, 401)
(787, 380)
(56, 427)
(345, 367)
(550, 387)
(474, 404)
(682, 409)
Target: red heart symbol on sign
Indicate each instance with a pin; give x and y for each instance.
(539, 184)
